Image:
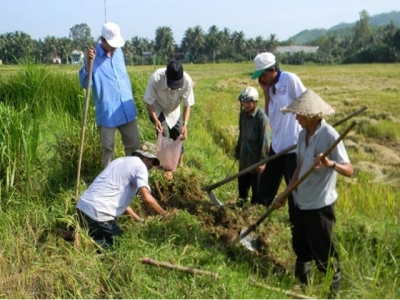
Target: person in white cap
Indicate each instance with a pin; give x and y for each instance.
(253, 143)
(315, 197)
(166, 89)
(112, 93)
(110, 195)
(280, 89)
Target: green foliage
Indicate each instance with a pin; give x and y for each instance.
(35, 263)
(18, 143)
(40, 88)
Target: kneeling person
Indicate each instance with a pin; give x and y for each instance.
(113, 190)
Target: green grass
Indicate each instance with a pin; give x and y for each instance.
(41, 117)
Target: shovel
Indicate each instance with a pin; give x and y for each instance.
(244, 233)
(209, 188)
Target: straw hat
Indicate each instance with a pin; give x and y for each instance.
(309, 104)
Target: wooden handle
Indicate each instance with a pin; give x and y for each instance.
(287, 192)
(268, 159)
(85, 112)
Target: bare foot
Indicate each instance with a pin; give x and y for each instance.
(169, 175)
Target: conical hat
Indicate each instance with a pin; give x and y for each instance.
(309, 104)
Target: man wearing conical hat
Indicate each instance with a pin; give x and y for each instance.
(315, 196)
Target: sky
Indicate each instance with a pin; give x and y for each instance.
(284, 18)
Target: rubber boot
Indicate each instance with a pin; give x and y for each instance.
(303, 272)
(335, 286)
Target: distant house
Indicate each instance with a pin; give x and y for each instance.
(179, 55)
(77, 57)
(295, 49)
(56, 60)
(147, 57)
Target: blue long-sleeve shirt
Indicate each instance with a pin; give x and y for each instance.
(112, 89)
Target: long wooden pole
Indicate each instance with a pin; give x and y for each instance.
(270, 158)
(287, 192)
(153, 262)
(84, 120)
(285, 292)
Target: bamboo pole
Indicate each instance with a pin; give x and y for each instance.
(84, 120)
(153, 262)
(270, 158)
(288, 191)
(285, 292)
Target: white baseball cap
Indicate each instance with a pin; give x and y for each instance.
(112, 34)
(262, 62)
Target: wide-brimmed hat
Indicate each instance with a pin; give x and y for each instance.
(174, 74)
(309, 104)
(112, 34)
(262, 62)
(149, 150)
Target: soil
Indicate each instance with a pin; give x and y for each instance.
(222, 223)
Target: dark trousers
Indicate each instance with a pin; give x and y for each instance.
(312, 237)
(244, 183)
(102, 232)
(270, 179)
(173, 132)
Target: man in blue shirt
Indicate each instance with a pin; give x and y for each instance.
(112, 93)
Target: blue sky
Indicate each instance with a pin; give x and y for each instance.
(284, 18)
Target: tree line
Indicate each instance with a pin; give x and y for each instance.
(362, 43)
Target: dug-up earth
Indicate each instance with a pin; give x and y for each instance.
(222, 223)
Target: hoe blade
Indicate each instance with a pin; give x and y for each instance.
(214, 199)
(250, 241)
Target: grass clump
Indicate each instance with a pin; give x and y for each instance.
(41, 113)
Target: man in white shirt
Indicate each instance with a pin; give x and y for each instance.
(280, 89)
(111, 193)
(166, 89)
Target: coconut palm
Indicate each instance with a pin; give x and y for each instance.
(164, 42)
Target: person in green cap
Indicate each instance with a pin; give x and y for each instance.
(280, 89)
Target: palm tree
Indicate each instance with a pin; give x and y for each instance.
(164, 42)
(65, 48)
(272, 43)
(239, 41)
(213, 44)
(198, 41)
(51, 47)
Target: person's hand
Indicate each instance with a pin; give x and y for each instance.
(279, 201)
(320, 161)
(265, 86)
(91, 53)
(158, 126)
(184, 132)
(260, 169)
